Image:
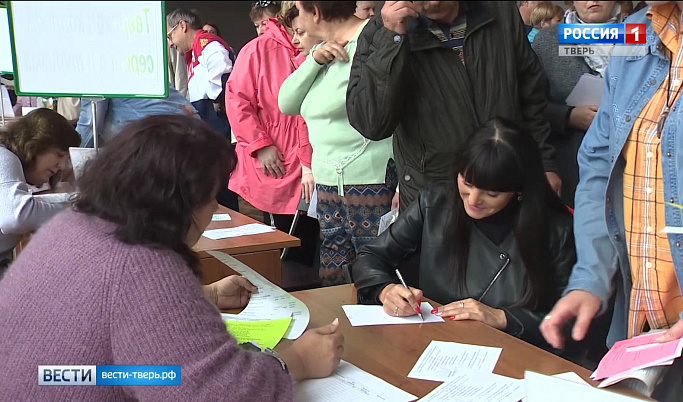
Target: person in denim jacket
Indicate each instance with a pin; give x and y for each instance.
(631, 170)
(114, 113)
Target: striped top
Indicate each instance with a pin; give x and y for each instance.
(655, 296)
(452, 36)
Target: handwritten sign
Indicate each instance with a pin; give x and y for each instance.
(91, 48)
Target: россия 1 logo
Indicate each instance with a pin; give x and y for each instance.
(601, 40)
(594, 34)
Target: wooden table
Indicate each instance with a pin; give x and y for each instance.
(261, 251)
(390, 351)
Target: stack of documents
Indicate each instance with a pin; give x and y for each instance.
(637, 362)
(269, 302)
(220, 217)
(467, 372)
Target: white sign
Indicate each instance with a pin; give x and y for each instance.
(5, 46)
(94, 48)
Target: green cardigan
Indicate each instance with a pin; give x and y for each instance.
(341, 155)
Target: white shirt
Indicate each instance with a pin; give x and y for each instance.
(205, 77)
(20, 211)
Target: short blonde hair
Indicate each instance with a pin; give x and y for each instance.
(542, 12)
(284, 7)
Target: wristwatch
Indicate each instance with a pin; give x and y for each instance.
(254, 347)
(271, 352)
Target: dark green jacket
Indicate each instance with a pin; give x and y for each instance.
(412, 87)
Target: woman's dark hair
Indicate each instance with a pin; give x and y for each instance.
(331, 10)
(36, 133)
(258, 8)
(501, 157)
(153, 176)
(289, 16)
(214, 26)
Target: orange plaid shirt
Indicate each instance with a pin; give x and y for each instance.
(655, 296)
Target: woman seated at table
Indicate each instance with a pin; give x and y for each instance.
(497, 246)
(33, 149)
(115, 281)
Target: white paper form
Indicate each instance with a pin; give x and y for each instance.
(244, 230)
(220, 217)
(349, 383)
(543, 388)
(573, 377)
(386, 220)
(444, 360)
(313, 205)
(361, 315)
(478, 387)
(237, 317)
(586, 92)
(269, 302)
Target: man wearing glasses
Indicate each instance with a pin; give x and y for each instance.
(208, 62)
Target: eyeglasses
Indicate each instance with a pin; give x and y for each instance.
(261, 4)
(168, 34)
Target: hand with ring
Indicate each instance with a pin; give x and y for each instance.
(471, 309)
(399, 301)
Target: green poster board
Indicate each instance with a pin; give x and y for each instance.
(112, 49)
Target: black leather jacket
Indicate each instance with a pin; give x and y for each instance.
(495, 274)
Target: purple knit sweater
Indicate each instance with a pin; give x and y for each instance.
(78, 296)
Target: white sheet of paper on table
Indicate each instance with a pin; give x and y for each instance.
(573, 377)
(220, 217)
(244, 230)
(349, 383)
(473, 386)
(543, 388)
(444, 360)
(361, 315)
(269, 302)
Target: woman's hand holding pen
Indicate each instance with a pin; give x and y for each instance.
(399, 301)
(470, 309)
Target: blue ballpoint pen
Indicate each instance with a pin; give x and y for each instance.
(400, 278)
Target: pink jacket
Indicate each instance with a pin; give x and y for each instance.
(251, 104)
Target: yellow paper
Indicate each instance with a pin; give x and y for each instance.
(266, 333)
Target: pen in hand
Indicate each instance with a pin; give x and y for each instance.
(400, 278)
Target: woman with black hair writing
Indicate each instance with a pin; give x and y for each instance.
(497, 246)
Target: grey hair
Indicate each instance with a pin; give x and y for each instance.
(181, 14)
